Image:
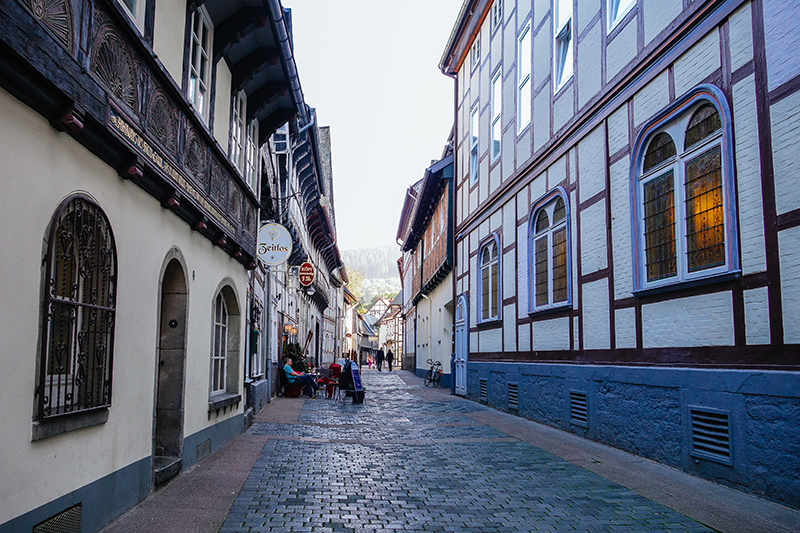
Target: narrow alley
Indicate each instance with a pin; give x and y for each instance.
(418, 459)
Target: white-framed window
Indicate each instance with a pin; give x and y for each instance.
(524, 78)
(474, 120)
(685, 227)
(550, 270)
(497, 103)
(237, 131)
(200, 61)
(253, 164)
(563, 42)
(475, 53)
(497, 13)
(489, 282)
(134, 9)
(617, 9)
(219, 352)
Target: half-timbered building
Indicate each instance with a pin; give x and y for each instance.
(425, 234)
(627, 226)
(131, 148)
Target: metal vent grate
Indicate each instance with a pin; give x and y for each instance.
(711, 435)
(484, 397)
(578, 409)
(513, 396)
(68, 521)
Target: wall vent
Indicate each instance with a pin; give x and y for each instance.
(68, 521)
(484, 394)
(578, 409)
(513, 396)
(711, 435)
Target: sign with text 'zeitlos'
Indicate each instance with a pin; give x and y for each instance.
(306, 274)
(274, 244)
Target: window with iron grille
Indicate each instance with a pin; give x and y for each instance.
(79, 311)
(684, 197)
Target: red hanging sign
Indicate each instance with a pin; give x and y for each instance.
(306, 274)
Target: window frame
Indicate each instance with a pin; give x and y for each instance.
(492, 240)
(474, 153)
(524, 78)
(475, 53)
(252, 156)
(219, 343)
(497, 14)
(238, 154)
(674, 119)
(204, 82)
(495, 120)
(563, 49)
(135, 11)
(613, 21)
(543, 203)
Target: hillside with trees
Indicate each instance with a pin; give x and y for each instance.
(373, 271)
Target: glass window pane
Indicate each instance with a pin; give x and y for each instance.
(485, 292)
(495, 290)
(540, 266)
(703, 123)
(705, 226)
(559, 211)
(659, 227)
(542, 222)
(660, 149)
(560, 265)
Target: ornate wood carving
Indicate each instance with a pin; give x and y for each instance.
(56, 16)
(195, 161)
(235, 206)
(114, 66)
(162, 121)
(219, 184)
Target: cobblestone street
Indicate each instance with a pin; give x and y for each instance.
(411, 460)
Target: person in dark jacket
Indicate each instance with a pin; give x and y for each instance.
(379, 358)
(389, 358)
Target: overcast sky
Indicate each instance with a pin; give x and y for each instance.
(370, 68)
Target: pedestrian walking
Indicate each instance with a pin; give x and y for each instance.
(389, 358)
(379, 358)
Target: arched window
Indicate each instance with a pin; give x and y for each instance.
(224, 375)
(219, 355)
(685, 224)
(550, 253)
(489, 266)
(79, 312)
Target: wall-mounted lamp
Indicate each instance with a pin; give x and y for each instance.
(310, 290)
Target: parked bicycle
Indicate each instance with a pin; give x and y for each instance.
(434, 374)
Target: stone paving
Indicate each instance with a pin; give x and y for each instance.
(400, 462)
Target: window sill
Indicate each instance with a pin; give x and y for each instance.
(51, 427)
(489, 323)
(563, 308)
(224, 399)
(688, 284)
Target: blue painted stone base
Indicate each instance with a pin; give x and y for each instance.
(101, 501)
(647, 411)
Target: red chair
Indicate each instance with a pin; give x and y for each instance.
(333, 381)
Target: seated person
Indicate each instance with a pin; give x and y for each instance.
(306, 381)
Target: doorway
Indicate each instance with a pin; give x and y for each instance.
(171, 362)
(462, 345)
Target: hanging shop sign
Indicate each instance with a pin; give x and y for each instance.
(274, 244)
(306, 274)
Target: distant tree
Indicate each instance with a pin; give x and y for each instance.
(356, 284)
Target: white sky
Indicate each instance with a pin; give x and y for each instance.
(370, 68)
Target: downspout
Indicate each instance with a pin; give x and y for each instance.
(451, 236)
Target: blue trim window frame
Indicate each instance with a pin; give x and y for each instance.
(524, 78)
(550, 253)
(683, 195)
(474, 130)
(489, 279)
(496, 125)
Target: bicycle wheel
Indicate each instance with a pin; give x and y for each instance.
(428, 377)
(437, 379)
